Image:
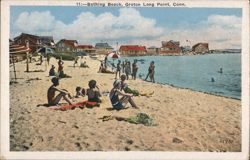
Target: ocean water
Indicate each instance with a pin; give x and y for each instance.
(196, 72)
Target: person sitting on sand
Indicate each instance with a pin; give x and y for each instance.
(54, 100)
(52, 71)
(80, 92)
(93, 92)
(120, 103)
(84, 65)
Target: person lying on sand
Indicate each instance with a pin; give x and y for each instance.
(93, 92)
(80, 92)
(116, 91)
(54, 100)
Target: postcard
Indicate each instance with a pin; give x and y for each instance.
(125, 79)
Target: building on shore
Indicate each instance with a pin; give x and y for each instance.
(35, 42)
(200, 48)
(170, 48)
(133, 50)
(86, 48)
(47, 41)
(103, 48)
(66, 46)
(153, 50)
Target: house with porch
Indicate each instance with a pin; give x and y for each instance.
(67, 46)
(170, 48)
(103, 48)
(200, 48)
(86, 48)
(32, 40)
(132, 50)
(35, 42)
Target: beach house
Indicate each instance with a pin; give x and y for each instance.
(47, 41)
(132, 50)
(66, 46)
(33, 40)
(153, 50)
(170, 48)
(86, 48)
(103, 48)
(200, 48)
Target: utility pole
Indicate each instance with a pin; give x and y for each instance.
(27, 57)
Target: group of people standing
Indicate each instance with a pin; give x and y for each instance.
(125, 67)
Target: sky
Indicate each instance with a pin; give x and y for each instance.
(220, 27)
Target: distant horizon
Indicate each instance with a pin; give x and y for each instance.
(220, 27)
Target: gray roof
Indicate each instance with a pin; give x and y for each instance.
(103, 45)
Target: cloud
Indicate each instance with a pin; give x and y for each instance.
(130, 27)
(88, 27)
(219, 31)
(35, 21)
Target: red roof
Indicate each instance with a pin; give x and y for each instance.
(133, 48)
(85, 46)
(69, 42)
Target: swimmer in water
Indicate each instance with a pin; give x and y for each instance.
(220, 71)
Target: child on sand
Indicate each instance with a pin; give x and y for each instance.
(93, 92)
(80, 92)
(54, 100)
(52, 71)
(116, 91)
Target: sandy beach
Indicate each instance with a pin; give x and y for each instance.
(186, 120)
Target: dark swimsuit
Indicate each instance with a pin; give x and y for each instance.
(115, 102)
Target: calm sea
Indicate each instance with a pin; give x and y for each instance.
(196, 72)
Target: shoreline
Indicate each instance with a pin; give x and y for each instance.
(209, 93)
(174, 55)
(186, 120)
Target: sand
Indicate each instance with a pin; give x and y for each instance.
(186, 120)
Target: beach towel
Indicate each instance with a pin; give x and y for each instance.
(74, 105)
